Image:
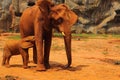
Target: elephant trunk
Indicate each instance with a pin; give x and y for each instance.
(67, 40)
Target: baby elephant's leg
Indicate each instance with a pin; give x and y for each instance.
(7, 61)
(6, 57)
(25, 57)
(4, 60)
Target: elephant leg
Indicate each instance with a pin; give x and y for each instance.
(47, 45)
(25, 58)
(34, 55)
(5, 55)
(7, 61)
(4, 60)
(67, 40)
(40, 58)
(39, 44)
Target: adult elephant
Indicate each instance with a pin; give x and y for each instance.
(39, 21)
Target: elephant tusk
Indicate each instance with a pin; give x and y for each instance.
(63, 33)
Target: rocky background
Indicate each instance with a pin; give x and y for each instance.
(95, 16)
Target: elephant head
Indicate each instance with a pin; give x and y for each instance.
(62, 18)
(27, 42)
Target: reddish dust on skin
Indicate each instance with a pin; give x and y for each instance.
(93, 59)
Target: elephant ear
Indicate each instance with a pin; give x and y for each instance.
(27, 42)
(70, 17)
(66, 14)
(26, 45)
(28, 39)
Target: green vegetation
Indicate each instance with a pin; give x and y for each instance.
(17, 37)
(81, 36)
(91, 36)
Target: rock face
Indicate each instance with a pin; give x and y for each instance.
(16, 10)
(7, 23)
(21, 5)
(5, 18)
(94, 15)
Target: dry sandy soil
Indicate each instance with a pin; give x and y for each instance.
(93, 59)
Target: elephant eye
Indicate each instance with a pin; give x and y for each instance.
(59, 21)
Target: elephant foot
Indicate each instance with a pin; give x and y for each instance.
(47, 66)
(25, 67)
(40, 68)
(8, 66)
(66, 66)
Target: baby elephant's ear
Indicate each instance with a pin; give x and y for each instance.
(29, 38)
(26, 45)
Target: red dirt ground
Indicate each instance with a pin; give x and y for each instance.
(93, 59)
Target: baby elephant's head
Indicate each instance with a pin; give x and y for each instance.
(27, 42)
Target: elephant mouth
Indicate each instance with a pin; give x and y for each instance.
(56, 23)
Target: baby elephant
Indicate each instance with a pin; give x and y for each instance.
(16, 47)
